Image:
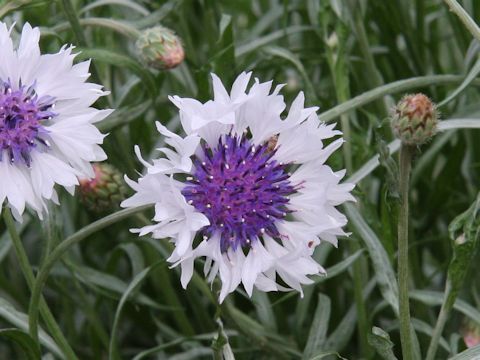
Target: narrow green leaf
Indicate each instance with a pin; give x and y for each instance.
(472, 75)
(135, 256)
(464, 17)
(20, 320)
(267, 340)
(137, 280)
(295, 61)
(127, 3)
(158, 15)
(383, 268)
(257, 43)
(469, 354)
(342, 266)
(318, 329)
(13, 5)
(326, 354)
(459, 124)
(5, 240)
(373, 163)
(424, 328)
(224, 60)
(380, 340)
(464, 233)
(387, 89)
(111, 283)
(264, 309)
(121, 27)
(342, 335)
(26, 343)
(120, 60)
(123, 116)
(436, 297)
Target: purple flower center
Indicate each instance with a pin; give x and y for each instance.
(241, 190)
(22, 114)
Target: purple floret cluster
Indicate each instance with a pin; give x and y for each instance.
(240, 189)
(22, 116)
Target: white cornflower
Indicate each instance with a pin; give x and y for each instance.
(257, 196)
(47, 135)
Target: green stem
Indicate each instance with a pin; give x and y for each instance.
(74, 22)
(162, 277)
(343, 94)
(41, 305)
(59, 251)
(372, 76)
(442, 319)
(219, 341)
(469, 23)
(78, 32)
(404, 306)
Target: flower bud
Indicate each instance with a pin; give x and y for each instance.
(105, 191)
(414, 119)
(160, 48)
(471, 334)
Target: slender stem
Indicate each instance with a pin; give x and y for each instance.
(162, 277)
(372, 76)
(74, 22)
(442, 319)
(218, 342)
(404, 306)
(50, 322)
(78, 32)
(343, 94)
(59, 251)
(469, 23)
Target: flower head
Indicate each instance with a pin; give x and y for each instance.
(246, 189)
(47, 135)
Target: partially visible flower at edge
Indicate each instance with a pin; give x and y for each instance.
(47, 136)
(258, 196)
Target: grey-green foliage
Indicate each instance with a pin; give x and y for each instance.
(352, 58)
(464, 233)
(380, 340)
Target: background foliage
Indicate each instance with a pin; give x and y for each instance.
(113, 296)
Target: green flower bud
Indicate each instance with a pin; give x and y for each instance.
(414, 119)
(160, 48)
(105, 191)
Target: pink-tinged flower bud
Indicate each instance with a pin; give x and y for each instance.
(471, 334)
(105, 191)
(414, 119)
(160, 48)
